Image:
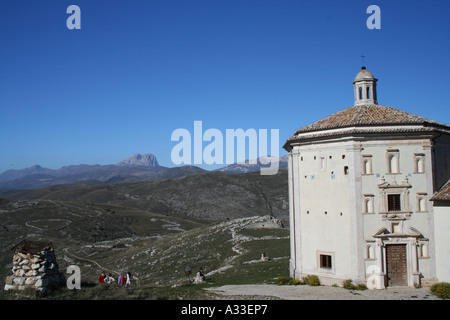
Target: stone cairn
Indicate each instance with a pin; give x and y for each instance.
(34, 266)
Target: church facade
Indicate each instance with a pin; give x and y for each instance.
(361, 183)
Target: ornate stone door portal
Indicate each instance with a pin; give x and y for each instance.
(396, 265)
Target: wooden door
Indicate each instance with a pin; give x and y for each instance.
(396, 265)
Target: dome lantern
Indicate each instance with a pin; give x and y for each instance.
(365, 87)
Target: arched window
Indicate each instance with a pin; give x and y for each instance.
(423, 250)
(392, 161)
(367, 166)
(368, 92)
(393, 164)
(370, 252)
(360, 93)
(422, 205)
(368, 204)
(420, 165)
(421, 201)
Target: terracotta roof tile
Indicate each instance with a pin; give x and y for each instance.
(388, 119)
(366, 115)
(443, 193)
(321, 134)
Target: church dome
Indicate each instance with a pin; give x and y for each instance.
(364, 75)
(365, 120)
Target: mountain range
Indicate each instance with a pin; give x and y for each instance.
(256, 165)
(139, 167)
(206, 197)
(136, 168)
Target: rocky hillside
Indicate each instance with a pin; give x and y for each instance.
(230, 249)
(207, 197)
(73, 225)
(164, 267)
(157, 228)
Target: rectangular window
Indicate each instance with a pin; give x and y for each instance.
(325, 261)
(394, 202)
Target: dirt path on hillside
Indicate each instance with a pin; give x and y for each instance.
(66, 250)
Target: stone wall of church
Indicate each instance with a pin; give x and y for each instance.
(342, 195)
(326, 209)
(442, 223)
(402, 167)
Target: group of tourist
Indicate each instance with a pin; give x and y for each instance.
(124, 279)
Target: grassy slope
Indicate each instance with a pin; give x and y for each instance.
(74, 225)
(228, 252)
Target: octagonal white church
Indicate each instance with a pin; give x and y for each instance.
(360, 185)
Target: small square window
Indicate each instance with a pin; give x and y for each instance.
(396, 227)
(325, 261)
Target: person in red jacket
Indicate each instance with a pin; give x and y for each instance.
(102, 277)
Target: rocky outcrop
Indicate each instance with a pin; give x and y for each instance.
(146, 160)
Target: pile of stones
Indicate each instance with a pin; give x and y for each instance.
(34, 266)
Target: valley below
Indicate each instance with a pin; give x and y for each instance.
(158, 230)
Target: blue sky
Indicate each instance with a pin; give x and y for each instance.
(139, 69)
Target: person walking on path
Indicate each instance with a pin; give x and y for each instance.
(129, 277)
(109, 279)
(120, 281)
(102, 277)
